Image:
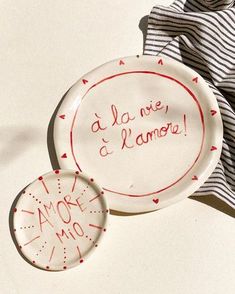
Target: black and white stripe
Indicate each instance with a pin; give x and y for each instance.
(201, 34)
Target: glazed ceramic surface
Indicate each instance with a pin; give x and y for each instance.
(59, 219)
(147, 128)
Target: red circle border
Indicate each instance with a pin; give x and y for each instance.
(161, 75)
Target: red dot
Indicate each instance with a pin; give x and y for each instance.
(40, 178)
(57, 171)
(15, 209)
(102, 192)
(92, 180)
(104, 230)
(77, 172)
(64, 267)
(107, 210)
(33, 261)
(20, 247)
(64, 257)
(23, 192)
(81, 260)
(47, 267)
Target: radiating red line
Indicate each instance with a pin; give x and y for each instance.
(79, 252)
(44, 185)
(95, 226)
(52, 252)
(27, 211)
(75, 180)
(185, 124)
(31, 240)
(97, 196)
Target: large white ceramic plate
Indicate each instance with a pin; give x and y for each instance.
(147, 128)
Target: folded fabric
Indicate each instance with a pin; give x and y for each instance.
(201, 35)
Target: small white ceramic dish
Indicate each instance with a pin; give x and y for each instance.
(148, 128)
(59, 219)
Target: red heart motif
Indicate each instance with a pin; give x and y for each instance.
(64, 155)
(156, 200)
(160, 62)
(213, 112)
(195, 80)
(84, 81)
(62, 116)
(213, 148)
(121, 62)
(194, 178)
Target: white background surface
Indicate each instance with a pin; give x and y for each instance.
(45, 46)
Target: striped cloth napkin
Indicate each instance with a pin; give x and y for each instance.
(201, 34)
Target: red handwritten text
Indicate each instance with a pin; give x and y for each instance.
(129, 138)
(129, 141)
(104, 149)
(96, 126)
(152, 107)
(119, 119)
(76, 230)
(62, 209)
(125, 135)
